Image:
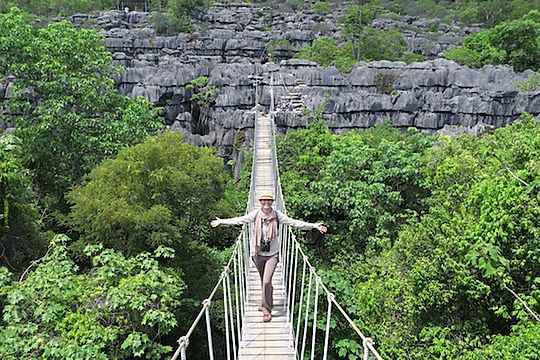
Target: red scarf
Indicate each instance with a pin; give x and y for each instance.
(272, 230)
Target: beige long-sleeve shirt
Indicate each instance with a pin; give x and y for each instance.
(282, 219)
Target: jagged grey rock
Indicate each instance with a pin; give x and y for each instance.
(229, 46)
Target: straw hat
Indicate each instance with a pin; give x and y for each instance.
(266, 196)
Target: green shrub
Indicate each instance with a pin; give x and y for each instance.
(204, 92)
(381, 45)
(122, 308)
(58, 7)
(20, 223)
(275, 44)
(493, 12)
(321, 8)
(409, 57)
(177, 16)
(76, 117)
(512, 42)
(323, 51)
(531, 83)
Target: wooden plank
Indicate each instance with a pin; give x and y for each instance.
(260, 340)
(267, 351)
(267, 357)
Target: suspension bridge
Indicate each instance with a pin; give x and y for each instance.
(298, 290)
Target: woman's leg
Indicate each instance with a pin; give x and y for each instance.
(267, 289)
(259, 264)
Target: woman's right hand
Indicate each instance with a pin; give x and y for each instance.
(215, 222)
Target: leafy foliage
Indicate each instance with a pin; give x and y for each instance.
(531, 83)
(204, 92)
(360, 182)
(19, 217)
(159, 193)
(277, 44)
(512, 42)
(117, 310)
(493, 12)
(58, 7)
(70, 116)
(321, 8)
(425, 242)
(360, 42)
(176, 18)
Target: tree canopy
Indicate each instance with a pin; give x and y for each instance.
(430, 244)
(513, 42)
(68, 114)
(118, 309)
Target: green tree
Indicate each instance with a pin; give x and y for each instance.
(512, 42)
(321, 8)
(177, 17)
(58, 7)
(323, 51)
(119, 309)
(429, 247)
(493, 12)
(159, 193)
(69, 113)
(203, 96)
(442, 290)
(19, 217)
(382, 45)
(357, 19)
(361, 184)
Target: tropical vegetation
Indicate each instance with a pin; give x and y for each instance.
(433, 246)
(105, 248)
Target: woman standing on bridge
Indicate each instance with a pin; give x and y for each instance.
(265, 250)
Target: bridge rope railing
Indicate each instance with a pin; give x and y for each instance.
(234, 283)
(290, 254)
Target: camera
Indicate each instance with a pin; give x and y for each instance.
(265, 246)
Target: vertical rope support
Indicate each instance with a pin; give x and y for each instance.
(243, 274)
(247, 255)
(286, 262)
(183, 353)
(183, 343)
(293, 298)
(328, 316)
(290, 301)
(296, 338)
(240, 282)
(246, 266)
(208, 328)
(317, 280)
(280, 226)
(289, 263)
(231, 312)
(285, 256)
(237, 306)
(225, 312)
(304, 338)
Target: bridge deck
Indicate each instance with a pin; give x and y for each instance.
(273, 340)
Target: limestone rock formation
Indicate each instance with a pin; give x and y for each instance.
(230, 47)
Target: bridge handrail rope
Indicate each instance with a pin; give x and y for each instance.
(290, 255)
(289, 240)
(240, 261)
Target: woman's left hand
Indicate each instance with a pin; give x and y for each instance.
(215, 222)
(322, 229)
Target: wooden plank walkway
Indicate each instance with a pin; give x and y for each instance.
(272, 340)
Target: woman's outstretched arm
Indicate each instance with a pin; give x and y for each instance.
(284, 219)
(240, 220)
